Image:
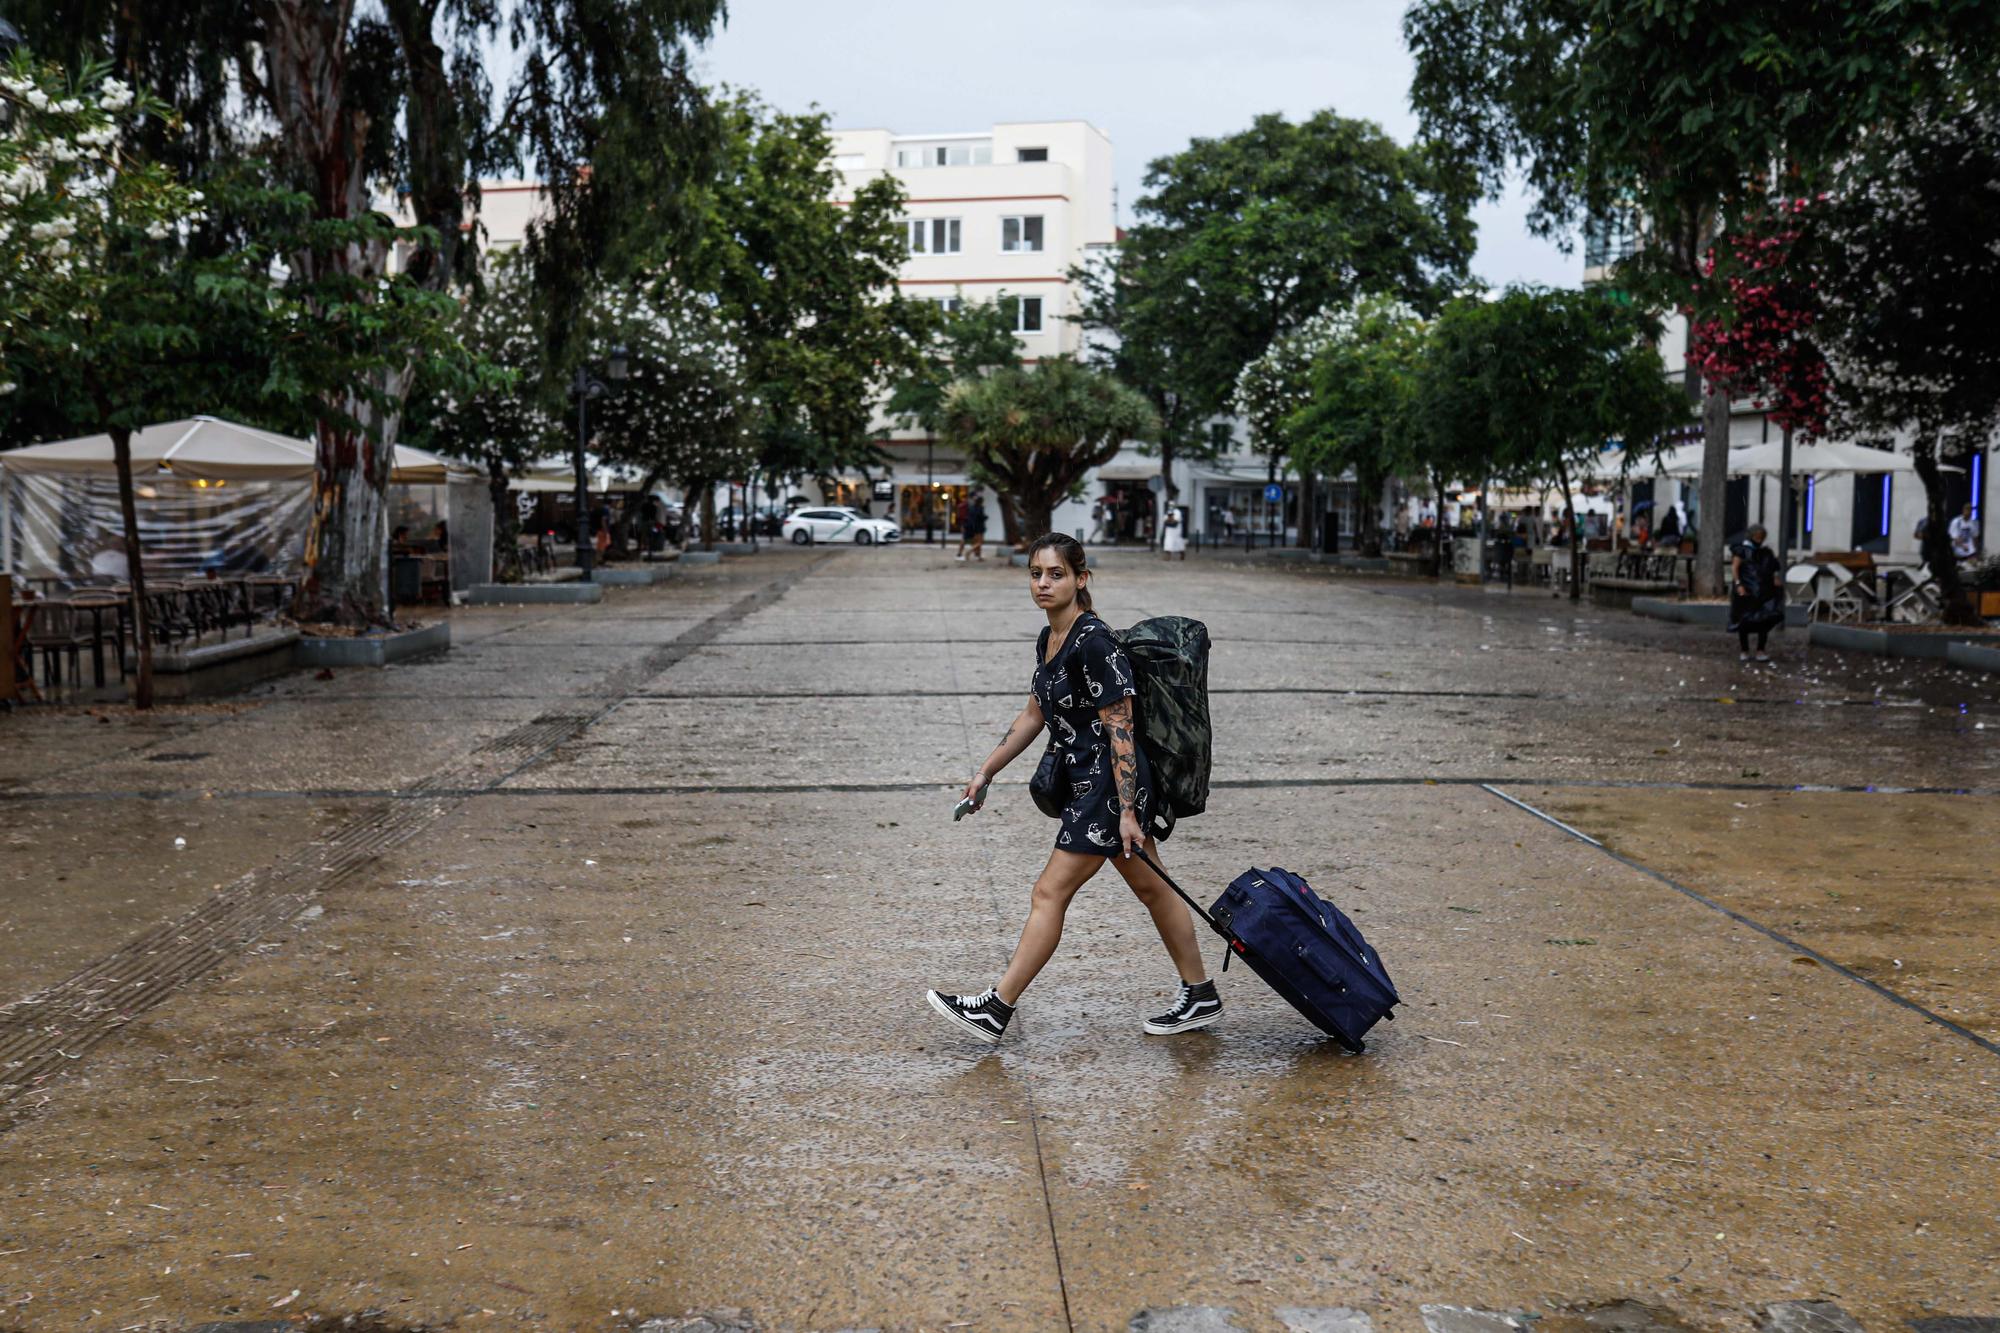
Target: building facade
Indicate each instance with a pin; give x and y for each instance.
(1002, 214)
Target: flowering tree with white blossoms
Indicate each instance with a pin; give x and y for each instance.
(91, 308)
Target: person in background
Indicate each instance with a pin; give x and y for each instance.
(959, 513)
(1964, 533)
(1097, 521)
(1111, 520)
(1670, 527)
(1642, 531)
(440, 537)
(1756, 593)
(975, 527)
(1173, 535)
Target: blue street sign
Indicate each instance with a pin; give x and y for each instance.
(1274, 493)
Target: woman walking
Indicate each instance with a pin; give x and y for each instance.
(1756, 593)
(1082, 694)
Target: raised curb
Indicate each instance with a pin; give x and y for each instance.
(204, 657)
(372, 650)
(1976, 656)
(627, 575)
(1883, 643)
(507, 594)
(1709, 615)
(700, 558)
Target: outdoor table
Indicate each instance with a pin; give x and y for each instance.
(96, 604)
(285, 585)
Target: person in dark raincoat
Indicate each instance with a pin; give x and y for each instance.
(1756, 593)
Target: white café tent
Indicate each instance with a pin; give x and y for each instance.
(1757, 460)
(211, 494)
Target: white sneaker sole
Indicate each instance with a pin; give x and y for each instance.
(959, 1021)
(1161, 1030)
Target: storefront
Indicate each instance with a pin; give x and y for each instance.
(932, 508)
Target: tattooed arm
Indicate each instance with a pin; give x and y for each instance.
(1020, 734)
(1117, 720)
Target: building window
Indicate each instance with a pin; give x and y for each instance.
(933, 236)
(946, 155)
(1020, 235)
(849, 161)
(951, 305)
(1026, 310)
(1031, 154)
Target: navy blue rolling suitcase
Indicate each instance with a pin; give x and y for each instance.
(1303, 947)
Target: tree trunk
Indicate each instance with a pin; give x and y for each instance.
(1037, 513)
(506, 516)
(323, 137)
(1437, 526)
(142, 621)
(1575, 537)
(1712, 542)
(1010, 520)
(347, 547)
(1956, 601)
(708, 516)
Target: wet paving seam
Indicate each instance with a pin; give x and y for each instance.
(42, 1034)
(1990, 1047)
(1027, 1081)
(180, 794)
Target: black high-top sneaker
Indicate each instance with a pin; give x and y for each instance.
(984, 1016)
(1197, 1007)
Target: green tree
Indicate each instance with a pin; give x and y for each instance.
(512, 418)
(352, 101)
(117, 322)
(1037, 431)
(1357, 414)
(1670, 116)
(809, 285)
(1242, 239)
(1535, 383)
(969, 342)
(1911, 280)
(683, 414)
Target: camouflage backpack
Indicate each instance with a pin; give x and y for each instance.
(1169, 656)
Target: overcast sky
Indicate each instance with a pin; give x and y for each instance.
(1152, 74)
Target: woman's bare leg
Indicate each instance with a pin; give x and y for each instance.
(1065, 873)
(1170, 914)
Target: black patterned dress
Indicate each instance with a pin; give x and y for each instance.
(1091, 672)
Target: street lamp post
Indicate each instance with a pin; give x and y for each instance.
(584, 388)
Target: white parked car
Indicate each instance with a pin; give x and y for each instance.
(828, 524)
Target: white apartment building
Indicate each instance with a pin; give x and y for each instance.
(1002, 214)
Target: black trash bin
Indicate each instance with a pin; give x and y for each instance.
(406, 580)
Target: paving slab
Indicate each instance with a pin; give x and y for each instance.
(589, 1043)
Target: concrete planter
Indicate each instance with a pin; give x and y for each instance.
(372, 650)
(221, 668)
(1974, 656)
(700, 558)
(522, 594)
(632, 575)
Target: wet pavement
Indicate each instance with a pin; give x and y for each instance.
(572, 980)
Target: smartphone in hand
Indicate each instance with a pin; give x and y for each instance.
(967, 805)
